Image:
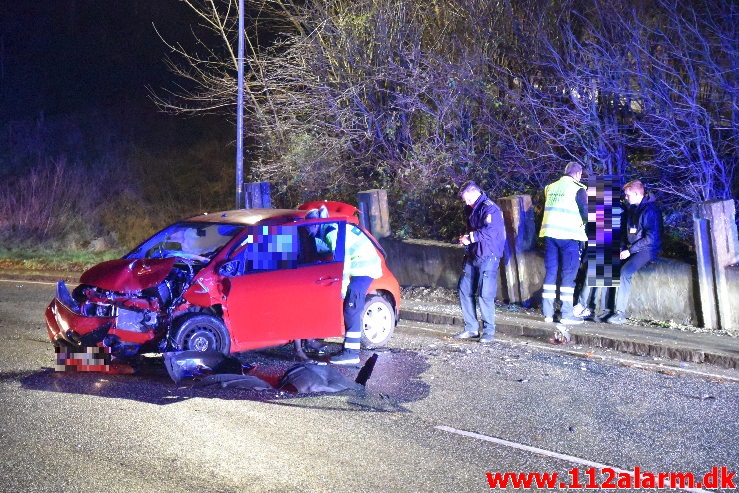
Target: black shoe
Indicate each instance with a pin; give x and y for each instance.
(345, 358)
(487, 337)
(618, 318)
(315, 347)
(465, 334)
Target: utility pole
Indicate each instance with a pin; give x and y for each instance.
(240, 114)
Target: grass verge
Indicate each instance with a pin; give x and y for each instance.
(42, 260)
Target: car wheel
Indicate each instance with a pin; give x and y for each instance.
(378, 321)
(201, 332)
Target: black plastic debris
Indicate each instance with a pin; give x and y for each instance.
(316, 377)
(320, 377)
(184, 364)
(232, 381)
(366, 371)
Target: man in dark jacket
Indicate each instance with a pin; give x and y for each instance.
(484, 244)
(641, 241)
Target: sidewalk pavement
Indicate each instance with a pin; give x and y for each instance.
(662, 342)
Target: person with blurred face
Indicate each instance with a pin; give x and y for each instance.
(641, 241)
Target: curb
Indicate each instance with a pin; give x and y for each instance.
(648, 341)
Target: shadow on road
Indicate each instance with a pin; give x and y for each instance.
(395, 381)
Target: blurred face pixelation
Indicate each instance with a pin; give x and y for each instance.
(603, 229)
(470, 197)
(633, 196)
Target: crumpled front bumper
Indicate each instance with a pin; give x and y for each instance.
(67, 326)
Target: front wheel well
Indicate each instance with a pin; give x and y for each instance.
(389, 298)
(199, 331)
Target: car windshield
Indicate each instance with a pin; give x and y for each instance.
(190, 240)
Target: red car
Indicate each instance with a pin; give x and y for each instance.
(227, 281)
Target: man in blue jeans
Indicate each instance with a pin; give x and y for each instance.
(483, 242)
(641, 241)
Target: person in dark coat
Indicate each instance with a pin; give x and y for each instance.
(641, 241)
(484, 242)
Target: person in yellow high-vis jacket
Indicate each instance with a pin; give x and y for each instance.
(563, 230)
(362, 264)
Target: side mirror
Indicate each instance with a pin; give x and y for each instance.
(230, 268)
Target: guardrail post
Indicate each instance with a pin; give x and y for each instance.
(716, 249)
(518, 215)
(373, 204)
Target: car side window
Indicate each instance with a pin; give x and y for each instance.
(269, 248)
(321, 243)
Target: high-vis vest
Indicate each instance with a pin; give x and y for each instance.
(360, 256)
(562, 219)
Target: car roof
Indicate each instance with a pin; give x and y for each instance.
(249, 217)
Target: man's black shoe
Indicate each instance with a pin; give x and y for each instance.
(345, 358)
(487, 337)
(465, 334)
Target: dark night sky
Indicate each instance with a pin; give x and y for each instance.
(64, 56)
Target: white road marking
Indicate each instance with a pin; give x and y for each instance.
(548, 453)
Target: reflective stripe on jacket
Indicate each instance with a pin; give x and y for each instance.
(562, 218)
(360, 256)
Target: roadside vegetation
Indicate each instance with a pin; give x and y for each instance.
(79, 189)
(418, 96)
(53, 260)
(412, 96)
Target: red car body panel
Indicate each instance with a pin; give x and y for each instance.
(128, 274)
(60, 319)
(340, 209)
(270, 308)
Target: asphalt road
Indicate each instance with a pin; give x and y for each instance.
(437, 416)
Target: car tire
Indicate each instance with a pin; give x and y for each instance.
(378, 321)
(201, 332)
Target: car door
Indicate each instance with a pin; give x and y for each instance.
(285, 288)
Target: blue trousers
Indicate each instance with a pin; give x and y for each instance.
(478, 286)
(356, 292)
(564, 256)
(628, 269)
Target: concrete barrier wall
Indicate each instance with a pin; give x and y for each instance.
(664, 290)
(424, 262)
(732, 282)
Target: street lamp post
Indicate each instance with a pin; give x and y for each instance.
(240, 114)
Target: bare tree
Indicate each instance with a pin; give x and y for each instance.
(686, 70)
(417, 95)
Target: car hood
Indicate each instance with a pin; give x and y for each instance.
(128, 274)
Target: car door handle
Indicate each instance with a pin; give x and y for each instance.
(327, 280)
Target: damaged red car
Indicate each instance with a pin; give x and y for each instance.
(228, 281)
